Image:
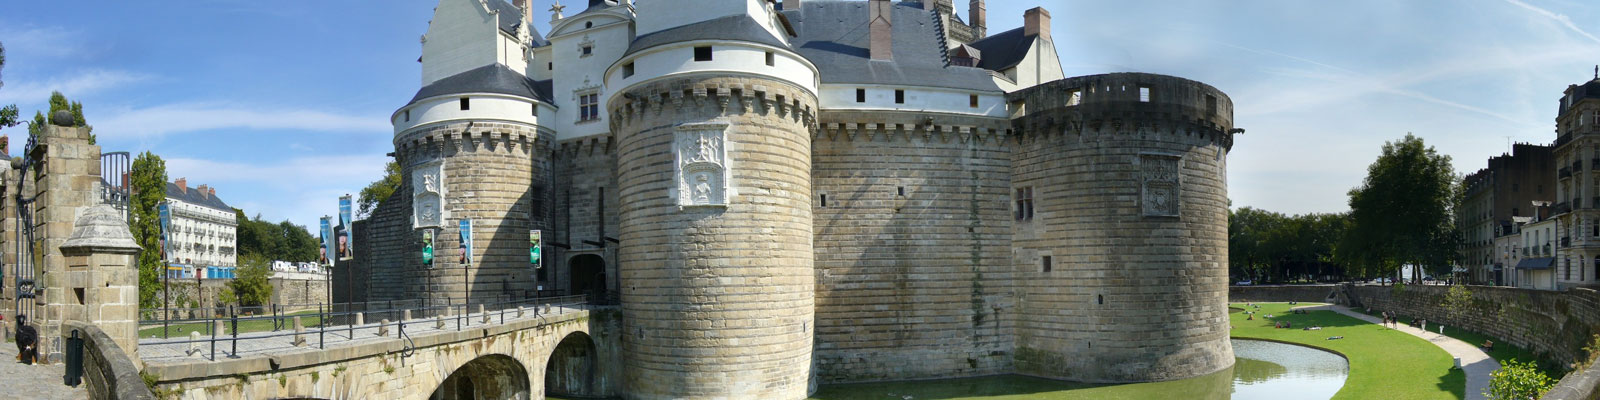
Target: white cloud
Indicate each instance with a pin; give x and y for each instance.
(75, 86)
(190, 117)
(1560, 18)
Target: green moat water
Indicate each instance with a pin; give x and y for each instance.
(1263, 370)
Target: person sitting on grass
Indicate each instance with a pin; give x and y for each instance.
(1249, 317)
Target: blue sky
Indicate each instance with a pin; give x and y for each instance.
(283, 106)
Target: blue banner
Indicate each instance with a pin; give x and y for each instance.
(346, 242)
(327, 240)
(466, 242)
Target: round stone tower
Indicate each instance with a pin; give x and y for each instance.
(714, 174)
(469, 149)
(1123, 240)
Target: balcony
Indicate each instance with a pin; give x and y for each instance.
(1563, 139)
(1564, 173)
(1566, 242)
(1546, 250)
(1594, 164)
(1561, 208)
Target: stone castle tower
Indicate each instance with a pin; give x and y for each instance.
(814, 191)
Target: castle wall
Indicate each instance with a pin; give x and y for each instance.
(386, 255)
(491, 175)
(585, 213)
(1131, 205)
(717, 299)
(911, 286)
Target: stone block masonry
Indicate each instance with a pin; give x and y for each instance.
(913, 246)
(717, 267)
(1126, 177)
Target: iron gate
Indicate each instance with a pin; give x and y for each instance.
(23, 270)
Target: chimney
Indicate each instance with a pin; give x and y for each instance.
(1036, 21)
(978, 16)
(183, 185)
(213, 191)
(202, 191)
(879, 22)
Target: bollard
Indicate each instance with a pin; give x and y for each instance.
(194, 343)
(519, 311)
(486, 315)
(299, 332)
(405, 315)
(361, 318)
(438, 322)
(74, 359)
(383, 327)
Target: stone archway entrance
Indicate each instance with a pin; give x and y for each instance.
(572, 368)
(492, 376)
(588, 274)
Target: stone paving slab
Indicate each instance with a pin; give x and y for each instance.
(1477, 364)
(34, 381)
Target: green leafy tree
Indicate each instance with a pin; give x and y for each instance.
(9, 116)
(1270, 247)
(379, 190)
(1402, 213)
(252, 287)
(1517, 381)
(149, 179)
(275, 241)
(59, 102)
(1457, 300)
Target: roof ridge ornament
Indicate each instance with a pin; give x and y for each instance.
(555, 11)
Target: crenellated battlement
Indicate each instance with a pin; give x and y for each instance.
(724, 95)
(1126, 103)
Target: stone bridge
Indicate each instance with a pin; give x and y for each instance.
(574, 353)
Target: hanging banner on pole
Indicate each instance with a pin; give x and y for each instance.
(466, 242)
(165, 213)
(346, 242)
(327, 240)
(427, 248)
(535, 241)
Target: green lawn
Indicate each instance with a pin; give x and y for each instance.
(1503, 351)
(182, 330)
(1384, 363)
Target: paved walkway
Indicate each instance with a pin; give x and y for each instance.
(34, 381)
(1477, 364)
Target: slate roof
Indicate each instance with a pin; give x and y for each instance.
(192, 196)
(1004, 50)
(1588, 90)
(733, 27)
(834, 35)
(487, 79)
(510, 17)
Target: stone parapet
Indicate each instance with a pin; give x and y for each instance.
(109, 371)
(1553, 325)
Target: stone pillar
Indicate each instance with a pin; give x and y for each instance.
(102, 275)
(68, 181)
(716, 227)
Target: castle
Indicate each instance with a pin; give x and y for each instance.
(779, 195)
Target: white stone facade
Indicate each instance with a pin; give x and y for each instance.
(202, 234)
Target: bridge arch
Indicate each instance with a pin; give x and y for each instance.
(492, 376)
(573, 368)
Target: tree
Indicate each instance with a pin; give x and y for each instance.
(59, 102)
(1518, 381)
(252, 287)
(1401, 214)
(8, 114)
(275, 241)
(149, 179)
(379, 190)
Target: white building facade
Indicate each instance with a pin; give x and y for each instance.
(204, 230)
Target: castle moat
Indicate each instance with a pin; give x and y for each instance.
(1262, 370)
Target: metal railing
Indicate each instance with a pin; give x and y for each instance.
(328, 319)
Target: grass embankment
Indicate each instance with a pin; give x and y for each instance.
(307, 318)
(1503, 350)
(1384, 363)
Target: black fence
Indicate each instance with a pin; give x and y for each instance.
(158, 325)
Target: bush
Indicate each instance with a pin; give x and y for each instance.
(1518, 381)
(253, 286)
